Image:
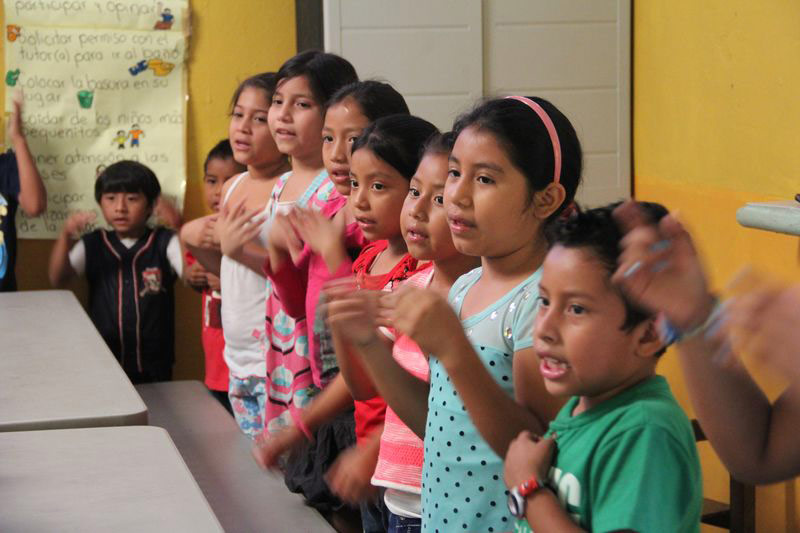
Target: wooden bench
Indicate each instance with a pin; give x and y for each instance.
(243, 497)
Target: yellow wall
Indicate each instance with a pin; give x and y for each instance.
(229, 42)
(717, 124)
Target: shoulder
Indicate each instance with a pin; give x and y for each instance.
(464, 282)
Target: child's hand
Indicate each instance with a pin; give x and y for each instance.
(764, 323)
(527, 457)
(352, 312)
(166, 212)
(267, 450)
(196, 276)
(283, 238)
(208, 234)
(324, 236)
(660, 270)
(77, 222)
(424, 316)
(213, 282)
(236, 227)
(349, 477)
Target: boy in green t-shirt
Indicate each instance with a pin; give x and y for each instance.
(621, 455)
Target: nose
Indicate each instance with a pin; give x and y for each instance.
(358, 195)
(419, 208)
(340, 149)
(545, 327)
(458, 191)
(121, 204)
(284, 111)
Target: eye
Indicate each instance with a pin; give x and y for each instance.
(304, 105)
(351, 140)
(486, 180)
(276, 101)
(577, 309)
(353, 184)
(438, 200)
(453, 173)
(378, 186)
(414, 193)
(542, 301)
(327, 139)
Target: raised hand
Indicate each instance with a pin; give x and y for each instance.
(236, 226)
(77, 222)
(660, 270)
(323, 235)
(167, 213)
(352, 312)
(426, 317)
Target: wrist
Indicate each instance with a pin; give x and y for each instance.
(698, 315)
(520, 495)
(333, 256)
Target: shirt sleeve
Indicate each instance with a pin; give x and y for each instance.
(77, 258)
(523, 316)
(174, 255)
(642, 480)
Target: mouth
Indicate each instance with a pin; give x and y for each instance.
(119, 221)
(241, 146)
(459, 225)
(415, 234)
(552, 368)
(284, 133)
(340, 176)
(365, 223)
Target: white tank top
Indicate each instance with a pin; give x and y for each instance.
(244, 301)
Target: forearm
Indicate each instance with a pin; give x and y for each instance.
(32, 194)
(333, 399)
(752, 437)
(544, 513)
(484, 398)
(290, 285)
(403, 392)
(60, 270)
(191, 235)
(253, 257)
(351, 369)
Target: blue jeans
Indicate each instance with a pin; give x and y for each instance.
(401, 524)
(374, 515)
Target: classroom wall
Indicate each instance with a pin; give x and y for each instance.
(229, 41)
(716, 118)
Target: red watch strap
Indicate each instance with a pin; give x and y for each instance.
(527, 487)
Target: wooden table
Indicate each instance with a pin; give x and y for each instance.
(55, 369)
(98, 479)
(243, 497)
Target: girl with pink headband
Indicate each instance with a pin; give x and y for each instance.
(515, 165)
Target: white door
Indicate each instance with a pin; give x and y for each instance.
(444, 54)
(430, 51)
(575, 53)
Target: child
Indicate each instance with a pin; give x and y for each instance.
(219, 167)
(626, 457)
(389, 372)
(756, 438)
(348, 112)
(243, 306)
(20, 185)
(296, 114)
(131, 271)
(515, 165)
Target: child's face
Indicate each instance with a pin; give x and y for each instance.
(126, 212)
(424, 219)
(344, 122)
(377, 195)
(251, 140)
(486, 198)
(577, 335)
(218, 171)
(295, 119)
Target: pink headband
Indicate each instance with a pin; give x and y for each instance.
(551, 130)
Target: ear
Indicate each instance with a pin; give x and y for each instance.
(548, 200)
(648, 341)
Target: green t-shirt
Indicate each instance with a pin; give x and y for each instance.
(628, 463)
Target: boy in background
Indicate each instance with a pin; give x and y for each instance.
(219, 167)
(626, 458)
(131, 270)
(20, 186)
